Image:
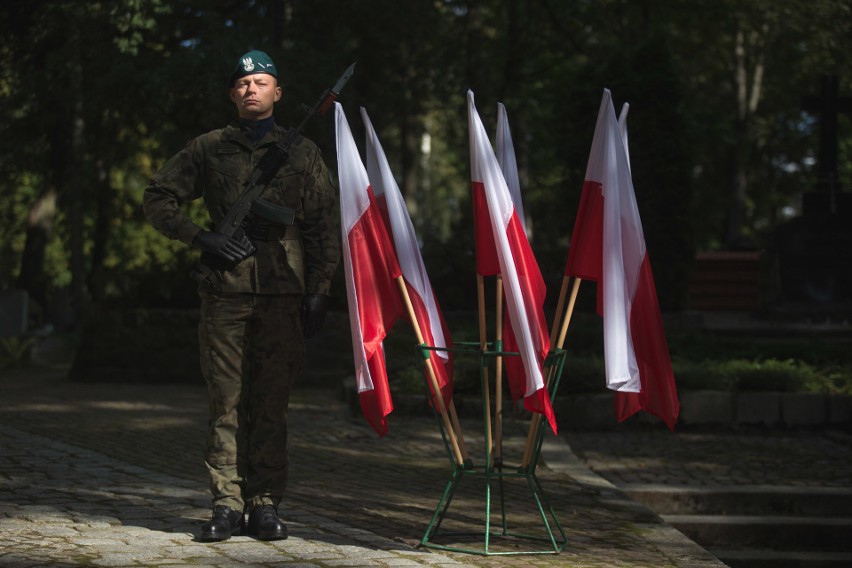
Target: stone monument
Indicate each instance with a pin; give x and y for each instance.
(814, 250)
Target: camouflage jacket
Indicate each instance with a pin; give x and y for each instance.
(298, 259)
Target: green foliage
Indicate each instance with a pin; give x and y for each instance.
(705, 360)
(14, 210)
(701, 360)
(149, 76)
(787, 375)
(14, 351)
(584, 373)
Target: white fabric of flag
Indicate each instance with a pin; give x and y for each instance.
(513, 257)
(623, 246)
(402, 229)
(505, 151)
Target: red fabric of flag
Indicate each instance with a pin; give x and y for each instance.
(370, 267)
(658, 395)
(486, 254)
(532, 282)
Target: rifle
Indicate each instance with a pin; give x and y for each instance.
(209, 271)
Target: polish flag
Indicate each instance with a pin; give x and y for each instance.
(608, 246)
(370, 266)
(622, 128)
(505, 151)
(522, 282)
(426, 309)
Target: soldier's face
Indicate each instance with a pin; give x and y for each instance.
(255, 95)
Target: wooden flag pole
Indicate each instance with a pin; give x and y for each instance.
(483, 343)
(558, 313)
(568, 313)
(536, 418)
(439, 398)
(498, 378)
(454, 418)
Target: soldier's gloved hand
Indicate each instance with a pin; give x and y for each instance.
(314, 307)
(229, 248)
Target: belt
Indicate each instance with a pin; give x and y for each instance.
(272, 233)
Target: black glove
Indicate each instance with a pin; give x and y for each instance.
(229, 248)
(314, 307)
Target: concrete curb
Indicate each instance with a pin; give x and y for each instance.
(718, 408)
(584, 412)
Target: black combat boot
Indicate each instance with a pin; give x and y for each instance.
(225, 522)
(264, 524)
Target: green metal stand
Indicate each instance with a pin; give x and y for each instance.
(493, 472)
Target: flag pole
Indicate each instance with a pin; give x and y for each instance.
(483, 343)
(439, 398)
(560, 304)
(498, 377)
(536, 418)
(569, 312)
(455, 420)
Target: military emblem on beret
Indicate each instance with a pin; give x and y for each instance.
(252, 62)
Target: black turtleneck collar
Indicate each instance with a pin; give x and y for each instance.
(257, 128)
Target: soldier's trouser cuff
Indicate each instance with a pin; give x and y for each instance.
(257, 501)
(234, 503)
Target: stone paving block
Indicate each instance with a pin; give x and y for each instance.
(116, 559)
(94, 542)
(377, 494)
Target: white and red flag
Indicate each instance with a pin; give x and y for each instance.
(430, 319)
(608, 246)
(505, 250)
(505, 150)
(622, 128)
(370, 266)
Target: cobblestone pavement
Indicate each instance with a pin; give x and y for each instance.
(112, 475)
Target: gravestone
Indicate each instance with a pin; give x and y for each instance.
(14, 307)
(814, 250)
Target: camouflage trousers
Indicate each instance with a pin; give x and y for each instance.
(252, 349)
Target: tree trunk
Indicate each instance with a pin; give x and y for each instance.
(75, 183)
(100, 238)
(748, 90)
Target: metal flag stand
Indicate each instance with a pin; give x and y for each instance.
(493, 471)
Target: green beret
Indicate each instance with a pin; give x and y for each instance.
(251, 63)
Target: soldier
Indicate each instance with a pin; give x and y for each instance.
(251, 331)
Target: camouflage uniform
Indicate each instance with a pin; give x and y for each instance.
(250, 334)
